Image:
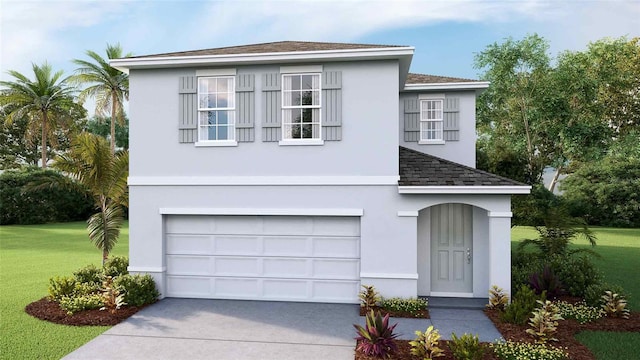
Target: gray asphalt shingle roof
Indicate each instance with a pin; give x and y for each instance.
(272, 47)
(419, 169)
(434, 79)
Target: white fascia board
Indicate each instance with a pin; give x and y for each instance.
(125, 64)
(471, 85)
(261, 180)
(252, 211)
(480, 190)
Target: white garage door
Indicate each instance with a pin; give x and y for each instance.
(291, 258)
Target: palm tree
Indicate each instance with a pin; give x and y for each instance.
(104, 176)
(42, 101)
(108, 86)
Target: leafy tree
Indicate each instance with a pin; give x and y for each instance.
(101, 126)
(108, 86)
(104, 174)
(44, 102)
(15, 150)
(510, 112)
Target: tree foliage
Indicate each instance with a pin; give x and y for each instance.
(47, 102)
(109, 86)
(91, 163)
(100, 125)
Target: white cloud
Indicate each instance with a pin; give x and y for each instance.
(30, 29)
(344, 20)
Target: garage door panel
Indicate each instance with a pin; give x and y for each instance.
(189, 265)
(236, 266)
(343, 247)
(189, 244)
(335, 269)
(188, 286)
(237, 225)
(236, 245)
(237, 287)
(284, 267)
(285, 246)
(287, 225)
(336, 226)
(188, 225)
(335, 290)
(285, 288)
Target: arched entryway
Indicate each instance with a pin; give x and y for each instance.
(452, 250)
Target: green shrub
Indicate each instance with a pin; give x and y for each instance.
(576, 273)
(425, 345)
(86, 288)
(523, 304)
(581, 312)
(544, 323)
(89, 274)
(466, 347)
(116, 266)
(21, 205)
(593, 293)
(62, 286)
(523, 265)
(75, 304)
(410, 305)
(138, 290)
(517, 351)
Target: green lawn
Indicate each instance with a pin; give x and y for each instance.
(29, 256)
(620, 257)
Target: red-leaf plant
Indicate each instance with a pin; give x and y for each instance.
(376, 338)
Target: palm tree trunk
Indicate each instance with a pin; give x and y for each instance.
(113, 122)
(44, 139)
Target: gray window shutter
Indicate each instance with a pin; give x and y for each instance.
(245, 107)
(271, 100)
(451, 113)
(188, 108)
(412, 120)
(332, 105)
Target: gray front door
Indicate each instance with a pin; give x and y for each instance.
(451, 249)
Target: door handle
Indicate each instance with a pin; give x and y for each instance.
(468, 256)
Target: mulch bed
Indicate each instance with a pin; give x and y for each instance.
(422, 314)
(404, 352)
(567, 329)
(48, 310)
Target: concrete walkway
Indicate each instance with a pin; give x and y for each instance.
(232, 329)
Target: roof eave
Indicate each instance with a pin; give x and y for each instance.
(471, 85)
(404, 54)
(467, 190)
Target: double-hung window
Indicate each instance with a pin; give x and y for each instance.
(216, 109)
(431, 121)
(301, 100)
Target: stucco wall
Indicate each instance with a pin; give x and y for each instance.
(462, 151)
(369, 146)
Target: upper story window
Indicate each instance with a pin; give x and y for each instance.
(301, 101)
(216, 109)
(431, 121)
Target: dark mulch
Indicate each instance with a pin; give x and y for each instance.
(422, 314)
(404, 352)
(48, 310)
(567, 330)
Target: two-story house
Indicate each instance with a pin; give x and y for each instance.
(298, 171)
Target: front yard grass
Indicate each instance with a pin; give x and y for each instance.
(620, 256)
(29, 256)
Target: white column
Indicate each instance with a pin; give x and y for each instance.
(500, 250)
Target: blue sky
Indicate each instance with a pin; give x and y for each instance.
(445, 33)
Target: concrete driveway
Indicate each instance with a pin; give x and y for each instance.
(229, 329)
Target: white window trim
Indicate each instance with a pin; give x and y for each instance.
(287, 142)
(223, 74)
(298, 69)
(422, 122)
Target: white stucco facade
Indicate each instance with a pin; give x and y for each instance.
(355, 177)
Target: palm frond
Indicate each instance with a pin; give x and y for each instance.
(104, 227)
